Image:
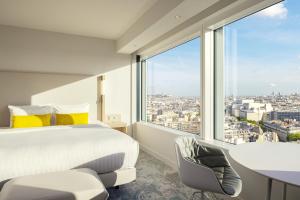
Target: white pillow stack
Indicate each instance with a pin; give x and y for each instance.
(71, 114)
(28, 110)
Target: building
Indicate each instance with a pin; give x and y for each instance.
(283, 128)
(283, 115)
(250, 110)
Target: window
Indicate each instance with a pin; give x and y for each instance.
(171, 87)
(257, 70)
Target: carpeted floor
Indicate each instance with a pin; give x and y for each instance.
(155, 181)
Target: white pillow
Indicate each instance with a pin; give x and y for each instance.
(69, 109)
(28, 110)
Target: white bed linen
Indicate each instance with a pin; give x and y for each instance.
(48, 149)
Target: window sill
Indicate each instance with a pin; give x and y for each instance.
(213, 143)
(165, 129)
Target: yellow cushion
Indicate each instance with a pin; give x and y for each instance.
(72, 119)
(31, 121)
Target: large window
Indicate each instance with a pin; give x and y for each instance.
(257, 59)
(171, 87)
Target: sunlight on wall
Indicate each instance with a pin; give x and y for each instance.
(117, 93)
(83, 91)
(116, 89)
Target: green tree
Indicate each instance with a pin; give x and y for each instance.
(293, 136)
(246, 120)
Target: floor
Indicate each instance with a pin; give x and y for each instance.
(155, 181)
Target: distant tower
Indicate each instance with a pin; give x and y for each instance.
(159, 112)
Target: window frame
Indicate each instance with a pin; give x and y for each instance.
(207, 64)
(218, 32)
(143, 76)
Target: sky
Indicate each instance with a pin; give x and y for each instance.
(262, 55)
(175, 72)
(262, 52)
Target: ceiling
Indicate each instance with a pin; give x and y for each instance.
(131, 24)
(124, 26)
(107, 19)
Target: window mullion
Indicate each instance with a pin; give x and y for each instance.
(207, 109)
(219, 84)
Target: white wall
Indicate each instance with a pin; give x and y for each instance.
(117, 90)
(28, 58)
(19, 88)
(41, 51)
(77, 92)
(159, 142)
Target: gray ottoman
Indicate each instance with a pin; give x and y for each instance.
(79, 184)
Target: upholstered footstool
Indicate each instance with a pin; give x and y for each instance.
(78, 184)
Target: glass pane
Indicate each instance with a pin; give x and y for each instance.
(261, 76)
(173, 88)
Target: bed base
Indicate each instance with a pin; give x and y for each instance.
(118, 177)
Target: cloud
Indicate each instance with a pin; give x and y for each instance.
(278, 11)
(273, 84)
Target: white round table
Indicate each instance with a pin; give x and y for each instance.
(277, 161)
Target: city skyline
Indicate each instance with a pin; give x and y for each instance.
(261, 80)
(262, 52)
(251, 69)
(271, 94)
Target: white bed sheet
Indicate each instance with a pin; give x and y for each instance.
(48, 149)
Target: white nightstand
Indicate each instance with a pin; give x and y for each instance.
(120, 126)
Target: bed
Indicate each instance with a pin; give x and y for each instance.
(29, 151)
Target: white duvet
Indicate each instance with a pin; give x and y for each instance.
(41, 150)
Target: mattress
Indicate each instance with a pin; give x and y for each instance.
(48, 149)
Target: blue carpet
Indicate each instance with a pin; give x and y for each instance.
(155, 181)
